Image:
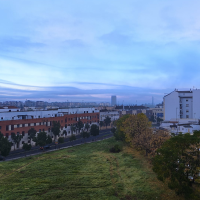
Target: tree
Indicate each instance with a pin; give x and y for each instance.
(177, 161)
(158, 119)
(134, 126)
(107, 121)
(5, 145)
(65, 133)
(101, 123)
(94, 130)
(87, 126)
(113, 130)
(72, 137)
(31, 132)
(55, 129)
(80, 125)
(61, 140)
(120, 134)
(73, 128)
(26, 147)
(16, 139)
(85, 134)
(48, 140)
(41, 139)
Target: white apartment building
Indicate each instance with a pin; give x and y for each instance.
(182, 105)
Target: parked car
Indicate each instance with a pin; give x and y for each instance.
(2, 158)
(45, 147)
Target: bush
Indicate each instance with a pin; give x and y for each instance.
(61, 140)
(115, 149)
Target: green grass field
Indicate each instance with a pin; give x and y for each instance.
(88, 171)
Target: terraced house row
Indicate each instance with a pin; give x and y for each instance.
(14, 121)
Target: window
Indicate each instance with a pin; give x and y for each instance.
(7, 135)
(34, 124)
(29, 124)
(186, 99)
(0, 127)
(187, 105)
(39, 130)
(187, 116)
(23, 125)
(7, 127)
(65, 125)
(23, 133)
(187, 110)
(17, 125)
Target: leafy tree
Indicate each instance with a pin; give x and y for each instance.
(72, 137)
(85, 134)
(31, 132)
(41, 139)
(119, 133)
(107, 121)
(158, 119)
(55, 129)
(177, 161)
(61, 140)
(101, 123)
(16, 139)
(94, 130)
(73, 128)
(5, 145)
(26, 147)
(65, 132)
(48, 140)
(80, 125)
(87, 126)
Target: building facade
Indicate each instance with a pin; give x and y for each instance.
(113, 100)
(43, 121)
(182, 105)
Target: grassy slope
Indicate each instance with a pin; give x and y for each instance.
(83, 172)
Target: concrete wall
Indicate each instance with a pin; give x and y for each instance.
(171, 104)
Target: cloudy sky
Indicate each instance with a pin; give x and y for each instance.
(89, 50)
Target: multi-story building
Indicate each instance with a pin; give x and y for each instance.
(20, 122)
(182, 105)
(113, 100)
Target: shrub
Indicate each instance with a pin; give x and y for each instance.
(61, 140)
(115, 149)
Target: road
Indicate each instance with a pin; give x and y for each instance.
(103, 134)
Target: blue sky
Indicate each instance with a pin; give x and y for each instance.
(89, 50)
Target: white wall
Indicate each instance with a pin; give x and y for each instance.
(196, 104)
(171, 103)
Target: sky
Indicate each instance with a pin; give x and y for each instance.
(89, 50)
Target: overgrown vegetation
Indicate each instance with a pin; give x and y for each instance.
(88, 171)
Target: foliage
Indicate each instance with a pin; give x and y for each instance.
(65, 132)
(16, 138)
(26, 147)
(85, 134)
(107, 121)
(72, 137)
(80, 125)
(73, 128)
(41, 139)
(115, 149)
(140, 135)
(120, 134)
(158, 119)
(101, 123)
(61, 140)
(94, 130)
(5, 145)
(177, 161)
(48, 140)
(87, 126)
(56, 128)
(31, 132)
